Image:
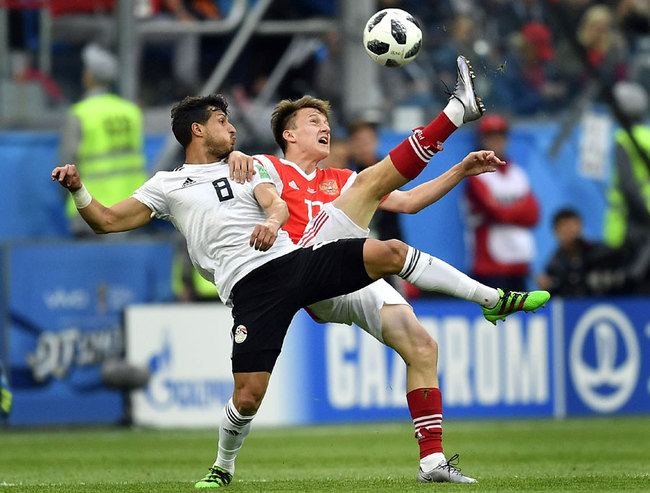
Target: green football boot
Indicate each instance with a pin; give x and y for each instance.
(515, 301)
(216, 478)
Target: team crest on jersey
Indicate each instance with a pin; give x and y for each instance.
(241, 333)
(330, 187)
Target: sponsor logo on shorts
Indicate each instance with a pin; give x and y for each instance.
(241, 333)
(330, 187)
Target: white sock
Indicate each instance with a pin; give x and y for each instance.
(232, 432)
(455, 111)
(432, 460)
(432, 274)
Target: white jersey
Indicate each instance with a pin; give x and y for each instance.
(216, 216)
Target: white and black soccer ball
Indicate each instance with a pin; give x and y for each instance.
(392, 37)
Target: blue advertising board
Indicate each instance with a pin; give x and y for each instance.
(65, 308)
(574, 357)
(607, 356)
(484, 370)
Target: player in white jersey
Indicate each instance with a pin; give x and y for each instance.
(203, 212)
(265, 299)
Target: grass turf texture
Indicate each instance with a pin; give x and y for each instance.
(594, 454)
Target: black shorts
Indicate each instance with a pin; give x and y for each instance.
(266, 299)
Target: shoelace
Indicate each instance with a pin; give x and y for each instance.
(448, 92)
(508, 306)
(217, 475)
(452, 465)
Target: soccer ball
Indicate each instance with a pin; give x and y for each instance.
(392, 37)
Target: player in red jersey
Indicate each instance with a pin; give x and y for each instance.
(310, 193)
(316, 196)
(305, 190)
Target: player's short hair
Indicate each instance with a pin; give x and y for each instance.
(284, 115)
(565, 213)
(194, 109)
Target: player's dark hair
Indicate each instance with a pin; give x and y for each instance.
(284, 115)
(562, 214)
(194, 109)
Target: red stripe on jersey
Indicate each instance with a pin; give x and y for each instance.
(311, 233)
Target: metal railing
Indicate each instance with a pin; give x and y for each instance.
(130, 34)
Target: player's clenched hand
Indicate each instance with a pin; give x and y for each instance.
(263, 237)
(67, 176)
(241, 167)
(476, 163)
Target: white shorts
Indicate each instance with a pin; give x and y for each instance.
(361, 307)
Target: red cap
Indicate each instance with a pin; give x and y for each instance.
(540, 37)
(492, 124)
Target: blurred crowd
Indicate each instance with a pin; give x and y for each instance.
(530, 59)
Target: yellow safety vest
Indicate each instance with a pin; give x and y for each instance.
(110, 156)
(202, 287)
(615, 222)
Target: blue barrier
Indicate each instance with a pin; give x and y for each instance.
(606, 354)
(64, 310)
(575, 357)
(34, 205)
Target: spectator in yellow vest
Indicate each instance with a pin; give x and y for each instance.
(188, 285)
(103, 136)
(627, 218)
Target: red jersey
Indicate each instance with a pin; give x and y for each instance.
(305, 194)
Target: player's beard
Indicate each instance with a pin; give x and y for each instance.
(218, 150)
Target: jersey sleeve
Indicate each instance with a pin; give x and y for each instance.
(261, 175)
(152, 194)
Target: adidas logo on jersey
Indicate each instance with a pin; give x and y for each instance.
(188, 182)
(293, 185)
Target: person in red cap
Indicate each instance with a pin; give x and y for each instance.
(530, 82)
(502, 210)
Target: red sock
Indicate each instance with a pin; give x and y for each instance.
(439, 130)
(426, 410)
(413, 154)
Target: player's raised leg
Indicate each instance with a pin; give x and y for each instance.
(408, 159)
(426, 272)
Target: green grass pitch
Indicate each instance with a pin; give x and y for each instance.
(589, 454)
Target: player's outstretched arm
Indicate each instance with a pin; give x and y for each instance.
(265, 234)
(416, 199)
(123, 216)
